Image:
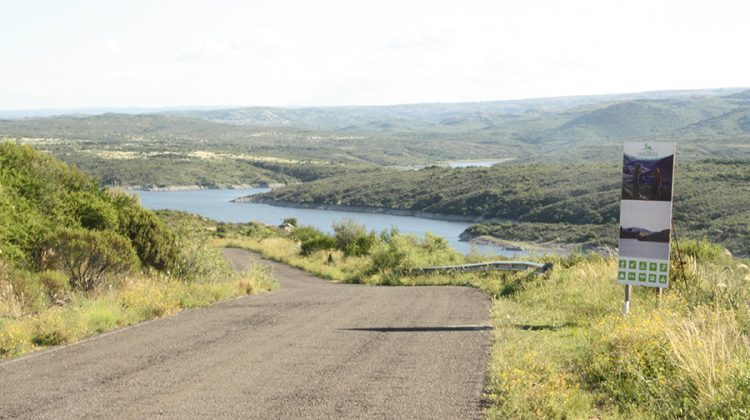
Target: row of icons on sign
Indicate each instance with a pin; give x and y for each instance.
(622, 275)
(643, 265)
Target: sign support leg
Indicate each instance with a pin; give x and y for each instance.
(659, 291)
(626, 304)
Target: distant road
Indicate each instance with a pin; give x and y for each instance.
(311, 349)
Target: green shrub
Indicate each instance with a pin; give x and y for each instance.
(312, 240)
(14, 338)
(258, 230)
(88, 256)
(56, 284)
(291, 220)
(53, 327)
(352, 238)
(320, 243)
(153, 240)
(305, 233)
(395, 252)
(92, 210)
(196, 259)
(702, 250)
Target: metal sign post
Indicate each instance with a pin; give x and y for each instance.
(626, 304)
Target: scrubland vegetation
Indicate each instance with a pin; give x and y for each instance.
(76, 259)
(576, 203)
(561, 347)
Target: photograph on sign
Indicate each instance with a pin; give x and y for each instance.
(647, 171)
(645, 229)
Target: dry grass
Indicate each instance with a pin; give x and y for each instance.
(135, 299)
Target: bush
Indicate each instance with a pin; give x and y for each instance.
(702, 250)
(352, 238)
(305, 233)
(196, 259)
(87, 256)
(53, 328)
(153, 241)
(396, 252)
(92, 210)
(14, 339)
(320, 243)
(291, 221)
(56, 285)
(312, 240)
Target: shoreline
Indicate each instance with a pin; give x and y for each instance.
(371, 210)
(505, 244)
(171, 188)
(562, 248)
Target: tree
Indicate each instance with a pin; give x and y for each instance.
(87, 256)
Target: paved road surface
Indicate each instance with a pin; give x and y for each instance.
(311, 349)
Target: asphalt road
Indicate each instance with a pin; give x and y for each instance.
(311, 349)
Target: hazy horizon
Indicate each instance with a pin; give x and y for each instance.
(164, 108)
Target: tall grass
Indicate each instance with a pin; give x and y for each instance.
(136, 299)
(562, 349)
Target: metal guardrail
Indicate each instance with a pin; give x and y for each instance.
(488, 266)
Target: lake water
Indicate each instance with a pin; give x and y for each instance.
(217, 205)
(643, 249)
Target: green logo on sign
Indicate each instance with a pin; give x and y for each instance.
(647, 151)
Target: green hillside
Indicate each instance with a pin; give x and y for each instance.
(222, 147)
(712, 198)
(77, 259)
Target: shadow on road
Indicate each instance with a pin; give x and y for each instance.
(422, 329)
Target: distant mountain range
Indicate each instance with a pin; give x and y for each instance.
(706, 123)
(453, 114)
(645, 235)
(342, 116)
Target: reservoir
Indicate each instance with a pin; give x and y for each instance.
(217, 205)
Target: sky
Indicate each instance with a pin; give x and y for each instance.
(107, 53)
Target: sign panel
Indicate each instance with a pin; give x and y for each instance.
(646, 214)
